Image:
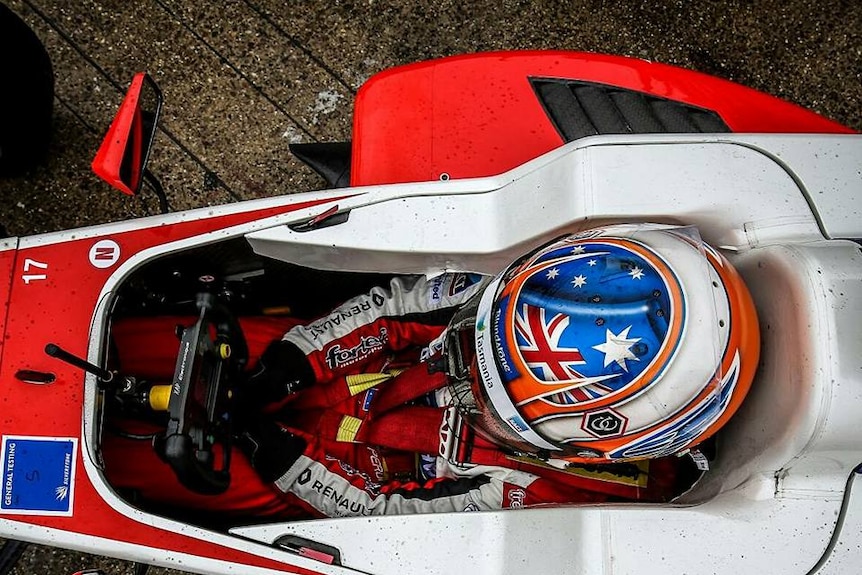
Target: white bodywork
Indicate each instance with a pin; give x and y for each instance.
(781, 206)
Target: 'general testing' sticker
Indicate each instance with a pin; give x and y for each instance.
(38, 475)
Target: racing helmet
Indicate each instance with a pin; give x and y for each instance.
(626, 342)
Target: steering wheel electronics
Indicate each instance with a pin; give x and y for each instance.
(212, 354)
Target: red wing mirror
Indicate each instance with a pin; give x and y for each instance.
(122, 158)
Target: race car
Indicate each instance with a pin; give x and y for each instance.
(456, 165)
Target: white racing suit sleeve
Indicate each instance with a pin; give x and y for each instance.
(333, 489)
(412, 310)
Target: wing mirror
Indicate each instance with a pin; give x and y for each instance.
(122, 158)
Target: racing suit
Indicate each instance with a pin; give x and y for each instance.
(362, 421)
(363, 425)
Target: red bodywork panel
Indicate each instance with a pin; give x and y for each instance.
(7, 263)
(477, 115)
(53, 294)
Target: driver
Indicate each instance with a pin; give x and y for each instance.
(579, 374)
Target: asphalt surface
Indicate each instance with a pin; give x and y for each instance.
(244, 79)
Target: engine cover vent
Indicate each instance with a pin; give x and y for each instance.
(580, 109)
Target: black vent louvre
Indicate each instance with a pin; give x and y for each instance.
(580, 109)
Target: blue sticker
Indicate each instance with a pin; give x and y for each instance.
(38, 475)
(518, 424)
(369, 397)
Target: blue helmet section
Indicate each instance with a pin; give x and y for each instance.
(591, 310)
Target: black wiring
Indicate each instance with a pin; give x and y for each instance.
(113, 429)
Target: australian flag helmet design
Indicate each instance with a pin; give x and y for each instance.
(622, 342)
(587, 319)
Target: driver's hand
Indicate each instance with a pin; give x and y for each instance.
(281, 371)
(271, 449)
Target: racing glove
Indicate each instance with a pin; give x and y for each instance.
(270, 448)
(281, 371)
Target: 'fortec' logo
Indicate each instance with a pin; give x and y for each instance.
(516, 498)
(337, 357)
(604, 423)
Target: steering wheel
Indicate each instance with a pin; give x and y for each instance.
(212, 355)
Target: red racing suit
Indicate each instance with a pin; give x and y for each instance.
(367, 421)
(380, 434)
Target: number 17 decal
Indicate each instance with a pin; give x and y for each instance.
(34, 266)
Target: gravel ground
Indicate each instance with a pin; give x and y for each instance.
(244, 79)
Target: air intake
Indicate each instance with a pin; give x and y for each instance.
(579, 109)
